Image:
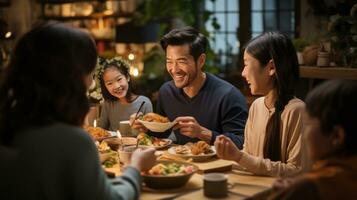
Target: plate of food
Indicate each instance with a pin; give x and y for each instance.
(200, 151)
(115, 142)
(98, 133)
(108, 158)
(155, 122)
(144, 140)
(169, 174)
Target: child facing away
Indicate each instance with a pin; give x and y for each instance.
(47, 154)
(331, 135)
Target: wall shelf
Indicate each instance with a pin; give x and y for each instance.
(69, 1)
(93, 16)
(314, 72)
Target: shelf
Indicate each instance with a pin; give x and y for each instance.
(69, 1)
(93, 16)
(328, 72)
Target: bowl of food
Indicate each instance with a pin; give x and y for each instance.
(115, 142)
(156, 123)
(169, 174)
(146, 141)
(108, 158)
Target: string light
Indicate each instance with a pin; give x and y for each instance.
(136, 72)
(131, 56)
(8, 34)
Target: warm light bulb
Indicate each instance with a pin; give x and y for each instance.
(131, 56)
(8, 34)
(135, 72)
(101, 24)
(95, 123)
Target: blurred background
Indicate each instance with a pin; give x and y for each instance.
(324, 33)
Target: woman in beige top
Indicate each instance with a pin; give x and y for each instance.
(272, 144)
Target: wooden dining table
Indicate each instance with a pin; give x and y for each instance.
(241, 184)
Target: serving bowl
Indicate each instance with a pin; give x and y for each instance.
(169, 181)
(157, 126)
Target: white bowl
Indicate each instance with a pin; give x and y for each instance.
(157, 126)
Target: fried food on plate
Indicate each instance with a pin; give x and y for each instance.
(153, 117)
(182, 149)
(200, 147)
(172, 157)
(96, 132)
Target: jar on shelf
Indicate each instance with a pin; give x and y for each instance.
(323, 59)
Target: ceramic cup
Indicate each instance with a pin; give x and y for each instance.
(125, 154)
(126, 130)
(215, 185)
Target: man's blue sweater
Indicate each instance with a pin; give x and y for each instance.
(218, 106)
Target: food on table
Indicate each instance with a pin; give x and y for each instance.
(171, 157)
(201, 147)
(183, 149)
(170, 169)
(146, 140)
(107, 156)
(96, 132)
(102, 147)
(153, 117)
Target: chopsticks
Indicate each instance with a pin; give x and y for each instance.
(136, 116)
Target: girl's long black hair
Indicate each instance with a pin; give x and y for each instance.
(279, 48)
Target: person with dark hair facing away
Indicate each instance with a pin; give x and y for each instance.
(203, 105)
(331, 135)
(120, 100)
(42, 109)
(272, 144)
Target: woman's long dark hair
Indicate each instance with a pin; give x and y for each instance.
(279, 48)
(44, 81)
(123, 68)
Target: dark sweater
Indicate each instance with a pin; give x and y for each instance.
(60, 162)
(218, 106)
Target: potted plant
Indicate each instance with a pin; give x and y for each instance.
(300, 45)
(342, 32)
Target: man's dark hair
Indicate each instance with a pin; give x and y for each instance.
(187, 35)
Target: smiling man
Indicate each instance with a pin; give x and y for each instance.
(203, 105)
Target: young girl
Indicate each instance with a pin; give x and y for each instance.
(120, 101)
(274, 126)
(332, 145)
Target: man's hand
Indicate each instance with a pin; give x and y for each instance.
(191, 128)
